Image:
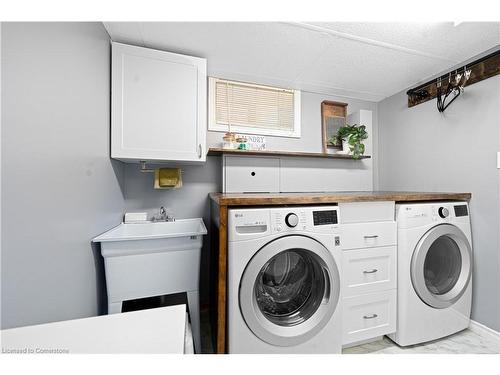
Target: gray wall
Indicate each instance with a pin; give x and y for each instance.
(421, 149)
(59, 187)
(187, 202)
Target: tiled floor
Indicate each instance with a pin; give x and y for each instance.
(465, 342)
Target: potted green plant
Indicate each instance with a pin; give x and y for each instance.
(352, 137)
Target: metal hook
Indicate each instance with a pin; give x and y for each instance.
(144, 169)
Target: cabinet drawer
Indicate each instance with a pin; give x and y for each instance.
(362, 212)
(251, 175)
(368, 316)
(363, 235)
(368, 270)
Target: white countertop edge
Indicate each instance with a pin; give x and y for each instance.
(106, 236)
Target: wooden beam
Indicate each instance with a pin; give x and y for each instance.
(482, 69)
(221, 287)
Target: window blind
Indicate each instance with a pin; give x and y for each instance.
(254, 106)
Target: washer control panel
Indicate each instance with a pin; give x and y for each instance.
(247, 223)
(418, 214)
(288, 219)
(308, 219)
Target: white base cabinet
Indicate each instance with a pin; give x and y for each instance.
(369, 271)
(158, 106)
(368, 316)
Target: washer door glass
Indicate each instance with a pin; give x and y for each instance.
(441, 266)
(290, 287)
(289, 290)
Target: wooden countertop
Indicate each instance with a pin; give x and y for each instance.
(261, 199)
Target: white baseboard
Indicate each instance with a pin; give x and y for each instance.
(484, 331)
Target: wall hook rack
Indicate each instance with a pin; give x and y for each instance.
(451, 85)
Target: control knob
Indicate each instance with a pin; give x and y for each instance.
(443, 212)
(291, 220)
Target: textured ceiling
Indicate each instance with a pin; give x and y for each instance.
(368, 61)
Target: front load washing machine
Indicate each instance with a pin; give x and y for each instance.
(284, 280)
(434, 271)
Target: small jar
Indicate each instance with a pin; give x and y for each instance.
(242, 143)
(229, 141)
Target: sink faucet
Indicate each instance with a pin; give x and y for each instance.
(163, 216)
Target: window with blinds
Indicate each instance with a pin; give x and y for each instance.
(248, 108)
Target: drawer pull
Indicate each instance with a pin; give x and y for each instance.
(372, 316)
(371, 271)
(374, 236)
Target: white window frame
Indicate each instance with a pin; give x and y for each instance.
(214, 126)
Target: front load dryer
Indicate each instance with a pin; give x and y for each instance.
(434, 271)
(284, 280)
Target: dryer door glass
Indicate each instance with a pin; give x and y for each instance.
(441, 266)
(290, 287)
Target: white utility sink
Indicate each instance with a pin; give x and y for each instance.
(154, 230)
(154, 259)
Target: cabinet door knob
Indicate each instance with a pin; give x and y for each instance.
(199, 150)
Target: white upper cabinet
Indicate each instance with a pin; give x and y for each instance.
(159, 105)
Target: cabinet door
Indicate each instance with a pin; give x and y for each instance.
(251, 175)
(158, 105)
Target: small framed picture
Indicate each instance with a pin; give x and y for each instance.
(333, 116)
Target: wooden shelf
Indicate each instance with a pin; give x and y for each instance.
(221, 151)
